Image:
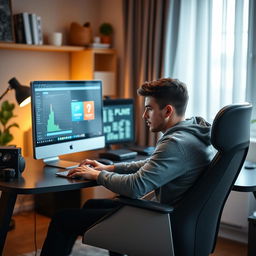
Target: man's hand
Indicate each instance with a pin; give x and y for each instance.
(89, 169)
(84, 172)
(97, 166)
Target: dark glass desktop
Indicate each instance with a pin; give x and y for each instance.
(66, 118)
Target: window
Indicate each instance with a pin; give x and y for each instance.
(207, 49)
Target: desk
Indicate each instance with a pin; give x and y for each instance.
(35, 179)
(246, 182)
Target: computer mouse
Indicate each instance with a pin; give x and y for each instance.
(105, 161)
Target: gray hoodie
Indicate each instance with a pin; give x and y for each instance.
(181, 154)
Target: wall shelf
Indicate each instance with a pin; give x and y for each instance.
(46, 48)
(52, 48)
(85, 63)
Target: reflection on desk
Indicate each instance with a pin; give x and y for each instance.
(246, 181)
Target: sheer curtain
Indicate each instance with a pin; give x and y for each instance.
(251, 63)
(207, 49)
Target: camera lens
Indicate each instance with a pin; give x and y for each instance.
(6, 157)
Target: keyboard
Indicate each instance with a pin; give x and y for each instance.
(63, 174)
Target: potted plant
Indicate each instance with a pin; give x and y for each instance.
(106, 31)
(6, 113)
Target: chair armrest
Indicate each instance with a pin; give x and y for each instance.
(145, 204)
(134, 229)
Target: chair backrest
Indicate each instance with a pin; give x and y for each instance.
(195, 220)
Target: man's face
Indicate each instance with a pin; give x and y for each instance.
(154, 116)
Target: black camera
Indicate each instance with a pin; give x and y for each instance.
(12, 164)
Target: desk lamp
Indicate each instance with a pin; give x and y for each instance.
(22, 93)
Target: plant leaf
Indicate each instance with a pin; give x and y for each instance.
(12, 125)
(6, 113)
(5, 138)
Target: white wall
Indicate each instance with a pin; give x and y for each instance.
(109, 8)
(56, 15)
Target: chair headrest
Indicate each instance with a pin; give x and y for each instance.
(231, 126)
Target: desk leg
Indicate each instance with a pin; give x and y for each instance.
(7, 202)
(252, 234)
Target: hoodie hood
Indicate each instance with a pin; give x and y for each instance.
(196, 126)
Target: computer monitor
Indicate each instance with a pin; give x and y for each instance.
(118, 119)
(66, 118)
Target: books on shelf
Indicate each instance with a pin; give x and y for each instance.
(22, 28)
(40, 31)
(33, 28)
(28, 28)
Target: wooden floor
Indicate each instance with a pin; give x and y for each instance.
(21, 239)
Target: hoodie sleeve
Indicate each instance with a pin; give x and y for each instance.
(129, 167)
(164, 165)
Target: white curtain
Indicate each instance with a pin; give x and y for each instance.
(251, 63)
(207, 49)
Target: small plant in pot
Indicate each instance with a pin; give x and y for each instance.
(106, 31)
(6, 113)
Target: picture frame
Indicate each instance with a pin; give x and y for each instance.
(6, 22)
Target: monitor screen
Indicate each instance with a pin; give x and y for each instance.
(118, 118)
(66, 118)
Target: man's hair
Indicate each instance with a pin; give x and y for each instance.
(167, 91)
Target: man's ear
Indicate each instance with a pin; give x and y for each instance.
(169, 110)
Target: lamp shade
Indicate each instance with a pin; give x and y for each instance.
(22, 92)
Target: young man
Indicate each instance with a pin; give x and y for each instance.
(181, 154)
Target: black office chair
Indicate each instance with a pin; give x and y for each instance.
(189, 228)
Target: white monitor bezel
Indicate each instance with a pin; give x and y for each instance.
(50, 153)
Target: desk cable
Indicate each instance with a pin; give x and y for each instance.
(35, 238)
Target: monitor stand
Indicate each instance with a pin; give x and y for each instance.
(56, 162)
